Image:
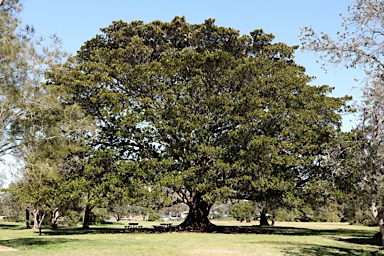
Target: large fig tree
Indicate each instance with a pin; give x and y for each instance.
(205, 112)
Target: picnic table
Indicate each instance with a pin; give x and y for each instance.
(167, 226)
(133, 226)
(163, 227)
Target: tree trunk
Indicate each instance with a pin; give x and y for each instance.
(87, 217)
(375, 199)
(117, 216)
(41, 222)
(197, 219)
(263, 217)
(54, 217)
(27, 223)
(36, 219)
(381, 225)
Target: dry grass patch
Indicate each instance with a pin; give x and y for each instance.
(5, 248)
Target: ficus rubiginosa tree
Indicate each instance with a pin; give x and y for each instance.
(205, 113)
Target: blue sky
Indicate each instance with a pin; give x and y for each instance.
(76, 21)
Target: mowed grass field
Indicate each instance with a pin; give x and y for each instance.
(282, 239)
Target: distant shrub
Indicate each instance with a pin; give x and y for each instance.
(153, 216)
(70, 219)
(287, 215)
(243, 211)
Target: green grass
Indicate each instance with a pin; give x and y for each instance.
(282, 239)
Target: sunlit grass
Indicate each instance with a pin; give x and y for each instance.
(285, 239)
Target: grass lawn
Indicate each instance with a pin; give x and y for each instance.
(282, 239)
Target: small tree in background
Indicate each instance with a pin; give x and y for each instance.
(243, 211)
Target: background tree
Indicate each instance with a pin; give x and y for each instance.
(361, 45)
(61, 170)
(12, 71)
(11, 208)
(98, 180)
(118, 210)
(205, 113)
(369, 143)
(24, 103)
(45, 163)
(35, 127)
(71, 178)
(242, 211)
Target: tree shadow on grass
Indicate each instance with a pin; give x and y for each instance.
(11, 226)
(82, 231)
(295, 249)
(358, 237)
(330, 251)
(32, 242)
(361, 240)
(306, 231)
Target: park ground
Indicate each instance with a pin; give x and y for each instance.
(284, 238)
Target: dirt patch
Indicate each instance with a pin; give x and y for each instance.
(5, 248)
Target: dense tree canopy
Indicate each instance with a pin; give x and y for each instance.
(206, 113)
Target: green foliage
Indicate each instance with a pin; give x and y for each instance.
(118, 210)
(27, 107)
(283, 214)
(10, 207)
(69, 218)
(327, 214)
(201, 112)
(153, 215)
(308, 212)
(360, 46)
(243, 211)
(35, 127)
